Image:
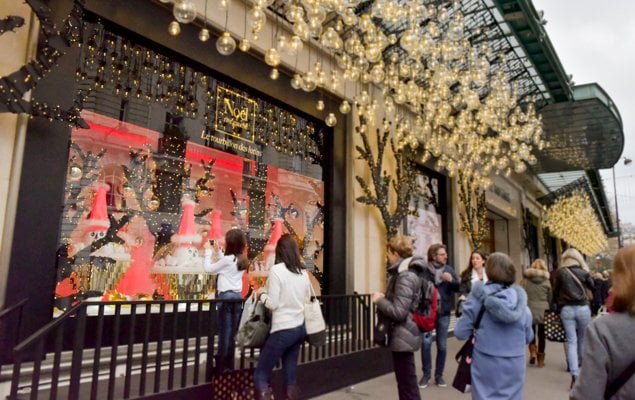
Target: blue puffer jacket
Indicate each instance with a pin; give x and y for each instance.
(505, 329)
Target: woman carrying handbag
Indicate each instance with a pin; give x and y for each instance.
(498, 364)
(285, 295)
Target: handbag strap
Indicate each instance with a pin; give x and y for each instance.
(577, 280)
(479, 317)
(618, 382)
(311, 290)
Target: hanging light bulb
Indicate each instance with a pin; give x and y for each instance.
(203, 35)
(225, 44)
(274, 74)
(174, 28)
(330, 120)
(244, 45)
(272, 57)
(345, 107)
(296, 81)
(184, 11)
(320, 105)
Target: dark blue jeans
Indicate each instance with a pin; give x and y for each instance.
(283, 344)
(443, 322)
(228, 319)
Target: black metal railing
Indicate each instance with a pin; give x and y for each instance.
(113, 350)
(10, 324)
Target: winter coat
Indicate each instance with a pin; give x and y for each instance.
(538, 288)
(446, 289)
(608, 351)
(567, 291)
(498, 363)
(506, 325)
(466, 280)
(404, 284)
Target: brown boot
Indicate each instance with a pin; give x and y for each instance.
(541, 360)
(532, 353)
(266, 394)
(292, 392)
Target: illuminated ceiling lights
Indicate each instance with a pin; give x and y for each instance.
(572, 219)
(448, 91)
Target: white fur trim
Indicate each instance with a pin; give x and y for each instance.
(186, 238)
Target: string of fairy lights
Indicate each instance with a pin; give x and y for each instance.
(572, 219)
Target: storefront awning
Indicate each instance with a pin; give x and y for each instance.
(582, 134)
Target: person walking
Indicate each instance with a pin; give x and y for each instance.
(475, 272)
(402, 290)
(285, 293)
(230, 266)
(569, 293)
(608, 349)
(538, 288)
(447, 283)
(498, 361)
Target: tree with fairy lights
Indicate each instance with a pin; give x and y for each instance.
(377, 191)
(472, 210)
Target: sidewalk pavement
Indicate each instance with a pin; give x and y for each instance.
(548, 383)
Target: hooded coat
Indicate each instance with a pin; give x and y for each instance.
(404, 283)
(501, 337)
(538, 290)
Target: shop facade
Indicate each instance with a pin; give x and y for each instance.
(168, 121)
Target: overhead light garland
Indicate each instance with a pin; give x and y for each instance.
(465, 112)
(572, 219)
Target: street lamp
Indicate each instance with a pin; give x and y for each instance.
(617, 215)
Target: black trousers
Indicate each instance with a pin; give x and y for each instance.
(539, 336)
(406, 374)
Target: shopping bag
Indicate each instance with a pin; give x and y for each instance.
(255, 330)
(463, 378)
(554, 330)
(234, 385)
(314, 320)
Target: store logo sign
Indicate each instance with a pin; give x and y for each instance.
(235, 114)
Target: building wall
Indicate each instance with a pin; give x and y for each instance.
(16, 48)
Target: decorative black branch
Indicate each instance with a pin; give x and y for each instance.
(402, 183)
(10, 23)
(473, 211)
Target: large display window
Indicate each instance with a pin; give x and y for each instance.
(140, 200)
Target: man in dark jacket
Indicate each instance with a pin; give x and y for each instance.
(447, 283)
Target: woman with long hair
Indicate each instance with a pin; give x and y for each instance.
(569, 293)
(608, 349)
(538, 288)
(284, 294)
(475, 272)
(230, 265)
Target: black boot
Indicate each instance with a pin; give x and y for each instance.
(292, 392)
(572, 381)
(265, 394)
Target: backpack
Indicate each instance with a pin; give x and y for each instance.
(426, 304)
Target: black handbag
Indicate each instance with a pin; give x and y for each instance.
(382, 331)
(554, 330)
(463, 378)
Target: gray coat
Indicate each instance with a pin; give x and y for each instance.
(608, 350)
(403, 286)
(538, 288)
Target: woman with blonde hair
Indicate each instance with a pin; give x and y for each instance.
(538, 288)
(608, 368)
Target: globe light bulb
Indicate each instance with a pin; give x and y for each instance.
(75, 173)
(174, 28)
(274, 74)
(226, 44)
(244, 45)
(203, 35)
(320, 105)
(345, 107)
(330, 120)
(184, 11)
(272, 57)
